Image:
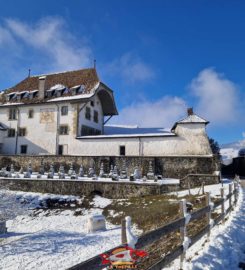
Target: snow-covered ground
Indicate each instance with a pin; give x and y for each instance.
(57, 239)
(213, 189)
(53, 239)
(163, 181)
(226, 247)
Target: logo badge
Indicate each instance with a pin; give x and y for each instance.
(123, 258)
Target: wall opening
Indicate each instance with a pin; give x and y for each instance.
(122, 150)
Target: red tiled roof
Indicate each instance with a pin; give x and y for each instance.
(86, 77)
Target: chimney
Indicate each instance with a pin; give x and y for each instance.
(41, 87)
(190, 111)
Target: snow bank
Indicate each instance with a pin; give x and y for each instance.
(225, 248)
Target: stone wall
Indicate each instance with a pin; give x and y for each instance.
(196, 180)
(170, 167)
(79, 188)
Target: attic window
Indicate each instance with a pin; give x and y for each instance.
(50, 92)
(12, 96)
(33, 94)
(24, 94)
(81, 89)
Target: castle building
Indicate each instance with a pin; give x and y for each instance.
(66, 114)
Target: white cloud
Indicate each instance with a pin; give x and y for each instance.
(59, 49)
(131, 69)
(161, 113)
(217, 97)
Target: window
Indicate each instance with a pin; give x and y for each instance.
(92, 103)
(22, 132)
(12, 114)
(30, 113)
(63, 130)
(23, 149)
(11, 132)
(87, 131)
(64, 110)
(88, 113)
(122, 150)
(96, 117)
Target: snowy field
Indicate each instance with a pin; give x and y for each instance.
(52, 239)
(57, 238)
(226, 247)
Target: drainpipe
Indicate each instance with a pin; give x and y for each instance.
(17, 132)
(57, 129)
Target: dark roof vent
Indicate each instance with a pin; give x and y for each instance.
(190, 111)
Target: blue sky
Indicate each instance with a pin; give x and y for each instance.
(158, 56)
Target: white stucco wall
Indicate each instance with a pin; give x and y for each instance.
(97, 107)
(41, 136)
(41, 130)
(191, 139)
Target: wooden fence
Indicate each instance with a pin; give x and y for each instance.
(179, 224)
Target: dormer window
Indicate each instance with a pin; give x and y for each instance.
(24, 94)
(50, 93)
(81, 89)
(34, 93)
(13, 96)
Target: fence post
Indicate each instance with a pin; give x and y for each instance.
(208, 215)
(182, 231)
(236, 190)
(230, 193)
(123, 232)
(202, 188)
(223, 204)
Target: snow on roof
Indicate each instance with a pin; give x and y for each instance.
(71, 97)
(119, 131)
(2, 126)
(133, 130)
(57, 87)
(193, 118)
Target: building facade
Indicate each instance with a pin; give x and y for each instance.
(66, 113)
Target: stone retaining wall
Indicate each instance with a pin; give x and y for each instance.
(169, 167)
(112, 190)
(196, 180)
